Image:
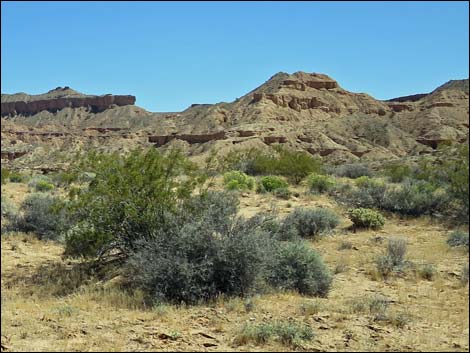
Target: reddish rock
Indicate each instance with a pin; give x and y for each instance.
(274, 139)
(95, 103)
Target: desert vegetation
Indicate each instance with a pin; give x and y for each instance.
(176, 238)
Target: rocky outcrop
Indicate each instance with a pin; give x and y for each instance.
(94, 103)
(296, 103)
(160, 140)
(12, 155)
(411, 98)
(399, 107)
(274, 139)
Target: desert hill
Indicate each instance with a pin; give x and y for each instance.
(307, 111)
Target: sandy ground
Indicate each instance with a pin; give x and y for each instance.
(49, 305)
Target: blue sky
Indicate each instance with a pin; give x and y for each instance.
(172, 54)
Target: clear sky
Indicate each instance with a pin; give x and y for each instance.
(172, 54)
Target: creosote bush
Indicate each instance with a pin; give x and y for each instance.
(366, 218)
(236, 180)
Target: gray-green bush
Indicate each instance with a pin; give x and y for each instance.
(42, 214)
(299, 267)
(308, 223)
(458, 238)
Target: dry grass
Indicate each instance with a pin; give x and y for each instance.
(49, 303)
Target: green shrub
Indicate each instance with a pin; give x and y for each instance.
(366, 218)
(299, 267)
(236, 180)
(458, 238)
(43, 186)
(16, 177)
(294, 165)
(397, 172)
(41, 183)
(320, 183)
(130, 196)
(42, 214)
(82, 240)
(307, 223)
(271, 183)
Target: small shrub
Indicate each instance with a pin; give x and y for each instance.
(311, 308)
(287, 333)
(271, 183)
(41, 183)
(458, 238)
(345, 245)
(42, 186)
(399, 320)
(282, 193)
(427, 271)
(307, 223)
(299, 267)
(42, 214)
(82, 240)
(236, 180)
(375, 305)
(320, 183)
(16, 177)
(366, 218)
(394, 258)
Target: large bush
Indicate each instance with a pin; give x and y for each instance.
(130, 197)
(236, 180)
(307, 223)
(414, 198)
(299, 267)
